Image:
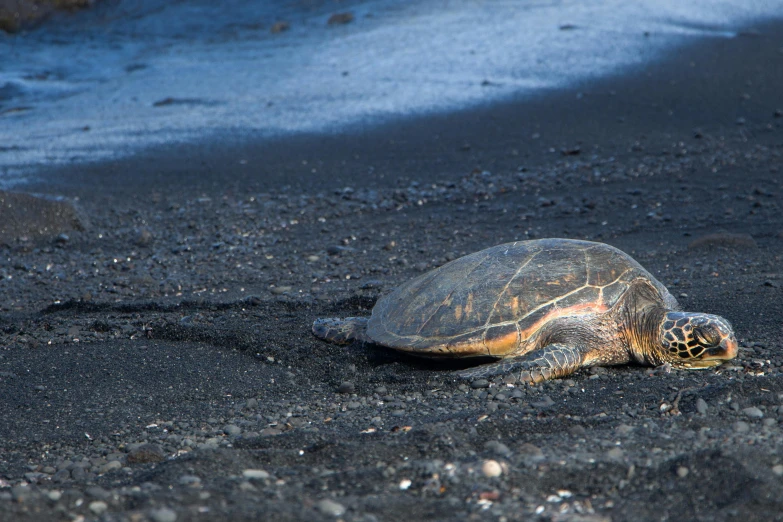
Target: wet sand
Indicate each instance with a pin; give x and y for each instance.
(159, 362)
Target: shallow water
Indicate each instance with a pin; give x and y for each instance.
(133, 74)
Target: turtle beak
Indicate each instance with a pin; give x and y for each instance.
(725, 351)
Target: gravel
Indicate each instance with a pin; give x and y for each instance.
(330, 507)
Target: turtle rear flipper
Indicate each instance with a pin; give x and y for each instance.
(341, 331)
(551, 362)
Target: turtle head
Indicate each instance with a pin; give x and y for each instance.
(692, 340)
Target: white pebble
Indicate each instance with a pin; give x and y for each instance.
(259, 474)
(330, 507)
(492, 468)
(98, 507)
(163, 515)
(777, 469)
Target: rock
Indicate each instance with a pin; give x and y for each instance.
(545, 402)
(741, 427)
(498, 448)
(479, 383)
(98, 507)
(701, 406)
(491, 468)
(530, 451)
(255, 474)
(97, 492)
(190, 480)
(615, 454)
(753, 412)
(61, 476)
(78, 474)
(777, 469)
(37, 218)
(330, 507)
(163, 515)
(682, 471)
(232, 430)
(346, 387)
(110, 466)
(146, 453)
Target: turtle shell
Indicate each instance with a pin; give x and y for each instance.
(489, 302)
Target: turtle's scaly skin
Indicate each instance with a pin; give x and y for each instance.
(546, 307)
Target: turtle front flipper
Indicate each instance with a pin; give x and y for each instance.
(551, 362)
(341, 331)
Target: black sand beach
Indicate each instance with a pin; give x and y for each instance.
(157, 361)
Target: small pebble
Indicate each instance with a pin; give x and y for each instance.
(753, 412)
(479, 383)
(145, 453)
(110, 466)
(545, 402)
(98, 507)
(615, 454)
(682, 471)
(330, 507)
(190, 480)
(492, 468)
(701, 406)
(741, 427)
(498, 448)
(531, 451)
(232, 430)
(346, 387)
(97, 492)
(255, 474)
(777, 469)
(163, 515)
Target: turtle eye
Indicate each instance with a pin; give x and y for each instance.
(702, 339)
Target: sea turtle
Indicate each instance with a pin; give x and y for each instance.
(543, 307)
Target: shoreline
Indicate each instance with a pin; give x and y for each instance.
(640, 98)
(708, 88)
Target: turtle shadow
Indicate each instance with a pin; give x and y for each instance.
(378, 356)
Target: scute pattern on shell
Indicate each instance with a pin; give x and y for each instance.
(489, 301)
